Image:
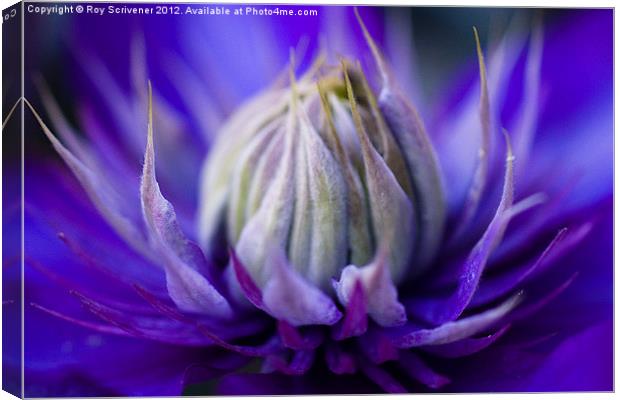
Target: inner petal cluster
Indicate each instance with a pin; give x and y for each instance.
(315, 170)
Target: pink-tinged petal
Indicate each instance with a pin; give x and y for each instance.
(164, 330)
(100, 193)
(90, 260)
(242, 328)
(420, 371)
(299, 364)
(355, 321)
(246, 283)
(251, 351)
(294, 339)
(161, 218)
(409, 131)
(455, 330)
(448, 309)
(288, 296)
(96, 327)
(381, 296)
(339, 361)
(466, 346)
(120, 326)
(183, 260)
(115, 298)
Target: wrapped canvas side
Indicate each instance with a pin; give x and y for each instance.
(12, 205)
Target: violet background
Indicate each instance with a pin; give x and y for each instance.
(577, 72)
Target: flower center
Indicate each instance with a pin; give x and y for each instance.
(314, 170)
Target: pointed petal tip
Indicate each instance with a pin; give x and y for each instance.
(184, 263)
(289, 296)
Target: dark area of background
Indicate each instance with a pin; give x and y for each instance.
(443, 40)
(11, 189)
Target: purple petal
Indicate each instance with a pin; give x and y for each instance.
(146, 327)
(377, 347)
(456, 330)
(115, 298)
(59, 362)
(96, 327)
(465, 347)
(99, 192)
(496, 286)
(91, 260)
(299, 364)
(449, 309)
(535, 304)
(288, 296)
(293, 339)
(251, 351)
(249, 288)
(65, 131)
(458, 149)
(104, 160)
(182, 259)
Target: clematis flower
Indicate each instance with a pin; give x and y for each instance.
(332, 232)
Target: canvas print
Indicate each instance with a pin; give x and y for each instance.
(239, 199)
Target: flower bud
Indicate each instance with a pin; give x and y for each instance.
(315, 170)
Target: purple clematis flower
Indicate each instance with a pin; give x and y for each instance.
(230, 216)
